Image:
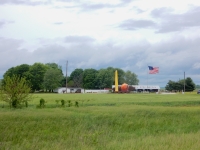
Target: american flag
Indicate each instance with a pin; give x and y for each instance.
(153, 70)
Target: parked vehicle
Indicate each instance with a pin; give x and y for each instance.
(198, 92)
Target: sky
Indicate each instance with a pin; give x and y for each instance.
(126, 34)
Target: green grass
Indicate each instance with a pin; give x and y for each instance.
(104, 121)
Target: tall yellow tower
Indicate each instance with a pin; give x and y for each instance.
(116, 81)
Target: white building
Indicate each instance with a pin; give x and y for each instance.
(144, 88)
(150, 88)
(61, 90)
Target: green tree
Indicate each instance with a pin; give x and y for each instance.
(15, 91)
(170, 85)
(76, 77)
(57, 67)
(104, 79)
(37, 71)
(89, 78)
(179, 86)
(52, 79)
(189, 84)
(131, 78)
(1, 81)
(121, 74)
(54, 66)
(21, 71)
(10, 72)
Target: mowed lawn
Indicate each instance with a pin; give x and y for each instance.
(103, 121)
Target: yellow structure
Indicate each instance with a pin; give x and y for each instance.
(116, 81)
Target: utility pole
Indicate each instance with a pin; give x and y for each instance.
(66, 75)
(184, 81)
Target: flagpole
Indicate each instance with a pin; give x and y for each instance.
(147, 77)
(184, 81)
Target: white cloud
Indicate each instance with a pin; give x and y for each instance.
(100, 34)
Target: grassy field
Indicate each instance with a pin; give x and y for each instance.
(103, 121)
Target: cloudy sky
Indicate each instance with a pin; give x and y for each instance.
(127, 34)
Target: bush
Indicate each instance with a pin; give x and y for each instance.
(15, 91)
(42, 103)
(62, 102)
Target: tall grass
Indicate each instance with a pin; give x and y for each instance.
(104, 121)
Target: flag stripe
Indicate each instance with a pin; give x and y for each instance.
(153, 70)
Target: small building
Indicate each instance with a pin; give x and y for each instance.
(147, 88)
(142, 88)
(61, 90)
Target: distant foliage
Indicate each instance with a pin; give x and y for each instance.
(52, 79)
(47, 77)
(179, 85)
(197, 86)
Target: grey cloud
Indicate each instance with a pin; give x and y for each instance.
(93, 7)
(126, 1)
(58, 23)
(96, 6)
(68, 1)
(11, 54)
(135, 24)
(24, 2)
(4, 22)
(173, 56)
(87, 7)
(78, 39)
(161, 12)
(171, 22)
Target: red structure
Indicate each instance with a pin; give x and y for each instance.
(124, 87)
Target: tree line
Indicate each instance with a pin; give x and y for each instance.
(179, 85)
(49, 76)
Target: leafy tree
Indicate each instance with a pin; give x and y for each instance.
(131, 78)
(54, 66)
(59, 68)
(21, 71)
(89, 78)
(189, 84)
(10, 72)
(37, 71)
(52, 79)
(103, 79)
(1, 83)
(170, 85)
(76, 77)
(63, 81)
(15, 91)
(179, 86)
(111, 71)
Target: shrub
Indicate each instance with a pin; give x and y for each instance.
(62, 102)
(42, 103)
(15, 91)
(76, 103)
(69, 103)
